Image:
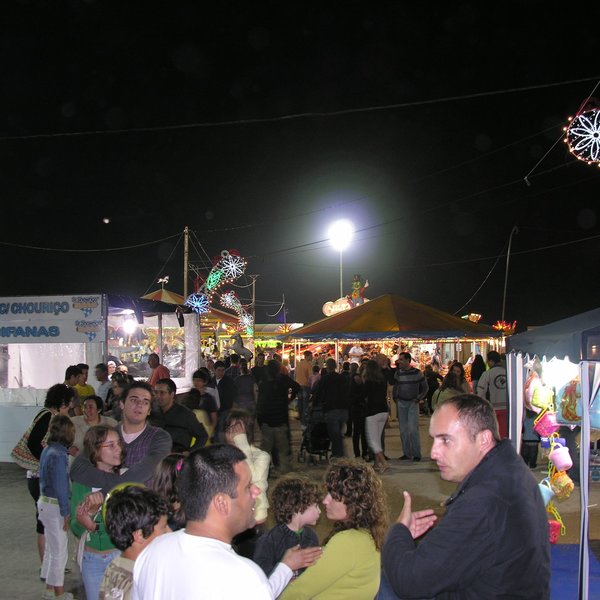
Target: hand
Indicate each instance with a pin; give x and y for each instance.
(93, 502)
(73, 450)
(234, 429)
(299, 558)
(66, 523)
(416, 522)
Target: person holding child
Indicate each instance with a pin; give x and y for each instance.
(294, 501)
(350, 567)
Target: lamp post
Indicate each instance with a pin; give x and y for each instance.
(340, 235)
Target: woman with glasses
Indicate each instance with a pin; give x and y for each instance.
(351, 562)
(103, 447)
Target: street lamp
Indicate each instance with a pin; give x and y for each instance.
(340, 235)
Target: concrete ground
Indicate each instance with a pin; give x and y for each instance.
(19, 563)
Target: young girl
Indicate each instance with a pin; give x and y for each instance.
(53, 505)
(103, 447)
(166, 473)
(294, 502)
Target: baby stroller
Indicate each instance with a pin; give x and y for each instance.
(315, 439)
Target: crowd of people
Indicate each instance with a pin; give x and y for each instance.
(167, 495)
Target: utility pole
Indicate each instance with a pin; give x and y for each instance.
(514, 230)
(254, 278)
(186, 258)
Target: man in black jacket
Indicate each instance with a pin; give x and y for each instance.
(493, 540)
(332, 392)
(275, 392)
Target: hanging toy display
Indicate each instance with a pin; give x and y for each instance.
(583, 134)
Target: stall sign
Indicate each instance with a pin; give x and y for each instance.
(52, 319)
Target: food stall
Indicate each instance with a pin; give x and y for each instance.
(389, 321)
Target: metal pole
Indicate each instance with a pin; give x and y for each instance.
(341, 276)
(186, 257)
(514, 230)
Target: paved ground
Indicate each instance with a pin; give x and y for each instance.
(18, 555)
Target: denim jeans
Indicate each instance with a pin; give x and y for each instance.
(408, 423)
(336, 423)
(303, 400)
(93, 566)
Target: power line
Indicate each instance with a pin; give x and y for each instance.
(295, 116)
(83, 250)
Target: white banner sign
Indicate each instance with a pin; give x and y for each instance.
(52, 319)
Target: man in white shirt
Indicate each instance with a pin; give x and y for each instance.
(218, 497)
(104, 382)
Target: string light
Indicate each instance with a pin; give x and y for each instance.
(583, 136)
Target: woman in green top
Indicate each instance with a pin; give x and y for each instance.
(102, 445)
(350, 566)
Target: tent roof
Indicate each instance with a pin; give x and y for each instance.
(393, 317)
(567, 337)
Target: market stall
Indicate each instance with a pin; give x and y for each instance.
(390, 320)
(42, 335)
(567, 351)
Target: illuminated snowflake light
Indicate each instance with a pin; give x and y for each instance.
(246, 321)
(232, 266)
(231, 301)
(198, 303)
(583, 136)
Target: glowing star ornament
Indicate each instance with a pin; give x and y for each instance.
(198, 302)
(583, 136)
(232, 265)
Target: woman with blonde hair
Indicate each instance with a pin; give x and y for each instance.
(350, 566)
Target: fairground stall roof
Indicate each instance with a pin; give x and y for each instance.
(392, 317)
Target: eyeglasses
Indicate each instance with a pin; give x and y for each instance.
(111, 445)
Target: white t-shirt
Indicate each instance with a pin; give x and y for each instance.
(179, 566)
(355, 354)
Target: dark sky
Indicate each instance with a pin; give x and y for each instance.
(434, 186)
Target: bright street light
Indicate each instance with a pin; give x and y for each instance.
(340, 235)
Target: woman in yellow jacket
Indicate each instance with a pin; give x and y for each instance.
(350, 566)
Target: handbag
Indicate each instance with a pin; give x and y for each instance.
(21, 453)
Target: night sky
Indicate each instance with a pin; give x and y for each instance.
(162, 115)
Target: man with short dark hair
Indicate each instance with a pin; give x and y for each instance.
(72, 375)
(233, 370)
(104, 384)
(302, 373)
(493, 539)
(158, 371)
(83, 388)
(216, 492)
(177, 420)
(492, 386)
(227, 396)
(333, 395)
(145, 446)
(410, 388)
(258, 370)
